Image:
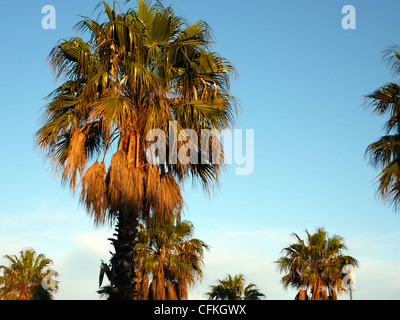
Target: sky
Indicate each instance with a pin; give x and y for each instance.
(301, 81)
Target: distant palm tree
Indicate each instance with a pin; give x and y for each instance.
(140, 70)
(234, 289)
(315, 264)
(385, 152)
(24, 278)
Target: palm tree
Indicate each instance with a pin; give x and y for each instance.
(384, 154)
(169, 256)
(234, 289)
(315, 264)
(24, 278)
(139, 70)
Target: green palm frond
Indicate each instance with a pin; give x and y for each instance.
(22, 279)
(169, 252)
(385, 152)
(315, 263)
(232, 288)
(386, 102)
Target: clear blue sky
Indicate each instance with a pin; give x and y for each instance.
(301, 83)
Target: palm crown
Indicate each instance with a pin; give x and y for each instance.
(385, 152)
(171, 257)
(233, 288)
(315, 264)
(23, 278)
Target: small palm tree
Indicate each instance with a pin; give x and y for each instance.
(315, 264)
(24, 278)
(234, 289)
(384, 154)
(168, 261)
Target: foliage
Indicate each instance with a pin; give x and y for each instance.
(315, 264)
(22, 279)
(234, 289)
(170, 257)
(384, 154)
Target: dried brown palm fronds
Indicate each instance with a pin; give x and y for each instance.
(160, 287)
(151, 290)
(171, 291)
(302, 295)
(182, 290)
(136, 187)
(141, 285)
(125, 186)
(76, 159)
(137, 281)
(145, 287)
(332, 294)
(163, 193)
(94, 192)
(157, 287)
(168, 201)
(117, 179)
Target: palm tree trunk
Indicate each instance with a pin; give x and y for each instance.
(123, 260)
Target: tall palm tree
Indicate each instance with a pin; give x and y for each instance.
(234, 289)
(384, 154)
(315, 264)
(170, 257)
(23, 279)
(140, 70)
